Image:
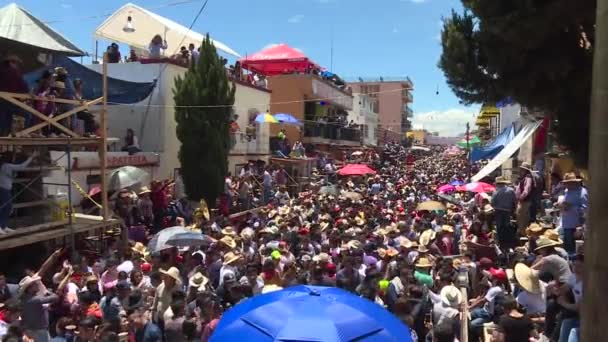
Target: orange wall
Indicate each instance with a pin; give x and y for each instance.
(289, 88)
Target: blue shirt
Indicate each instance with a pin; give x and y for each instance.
(577, 200)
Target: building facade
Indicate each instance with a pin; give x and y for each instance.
(363, 116)
(392, 99)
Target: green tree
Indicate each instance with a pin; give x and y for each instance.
(538, 52)
(204, 132)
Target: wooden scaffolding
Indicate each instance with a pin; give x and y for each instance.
(74, 224)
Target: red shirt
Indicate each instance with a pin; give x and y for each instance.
(159, 198)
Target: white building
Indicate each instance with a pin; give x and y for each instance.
(363, 114)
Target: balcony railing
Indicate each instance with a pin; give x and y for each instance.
(407, 111)
(406, 81)
(331, 131)
(253, 140)
(407, 96)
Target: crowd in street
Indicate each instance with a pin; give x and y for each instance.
(389, 237)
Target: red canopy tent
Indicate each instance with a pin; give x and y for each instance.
(277, 60)
(356, 170)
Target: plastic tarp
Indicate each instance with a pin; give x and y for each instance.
(277, 60)
(148, 24)
(495, 146)
(18, 25)
(524, 134)
(119, 91)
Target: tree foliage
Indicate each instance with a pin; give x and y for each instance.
(539, 52)
(204, 132)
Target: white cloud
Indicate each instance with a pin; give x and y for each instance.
(298, 49)
(296, 19)
(448, 123)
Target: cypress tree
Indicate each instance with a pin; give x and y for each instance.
(204, 132)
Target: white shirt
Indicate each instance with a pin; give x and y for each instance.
(225, 270)
(577, 288)
(267, 179)
(126, 266)
(490, 296)
(534, 303)
(7, 173)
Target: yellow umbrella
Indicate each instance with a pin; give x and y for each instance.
(265, 117)
(431, 206)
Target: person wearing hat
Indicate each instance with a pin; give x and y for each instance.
(34, 314)
(230, 265)
(523, 192)
(504, 202)
(10, 314)
(7, 173)
(162, 298)
(422, 272)
(445, 243)
(513, 324)
(145, 206)
(533, 297)
(573, 206)
(482, 308)
(550, 262)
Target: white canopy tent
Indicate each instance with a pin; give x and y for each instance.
(147, 25)
(524, 134)
(19, 25)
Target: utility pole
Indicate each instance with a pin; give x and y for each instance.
(594, 316)
(468, 138)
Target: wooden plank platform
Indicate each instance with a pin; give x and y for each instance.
(57, 141)
(52, 230)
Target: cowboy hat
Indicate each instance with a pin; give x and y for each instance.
(451, 296)
(526, 166)
(270, 230)
(144, 190)
(272, 213)
(426, 237)
(527, 278)
(534, 229)
(59, 85)
(502, 180)
(231, 257)
(570, 177)
(405, 243)
(488, 209)
(321, 257)
(552, 234)
(381, 253)
(229, 230)
(544, 242)
(324, 226)
(446, 228)
(172, 272)
(423, 262)
(198, 280)
(228, 241)
(247, 233)
(140, 249)
(422, 249)
(26, 282)
(354, 244)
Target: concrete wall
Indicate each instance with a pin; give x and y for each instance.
(153, 119)
(363, 114)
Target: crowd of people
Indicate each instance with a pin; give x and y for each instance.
(377, 236)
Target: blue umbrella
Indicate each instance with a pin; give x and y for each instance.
(287, 119)
(310, 313)
(457, 183)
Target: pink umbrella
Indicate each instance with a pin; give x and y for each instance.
(446, 188)
(356, 170)
(477, 187)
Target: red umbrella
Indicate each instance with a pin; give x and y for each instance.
(277, 60)
(446, 188)
(356, 170)
(477, 187)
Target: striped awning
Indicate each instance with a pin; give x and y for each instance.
(482, 121)
(488, 112)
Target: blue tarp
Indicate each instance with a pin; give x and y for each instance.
(119, 91)
(490, 150)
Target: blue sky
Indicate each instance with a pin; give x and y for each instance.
(389, 38)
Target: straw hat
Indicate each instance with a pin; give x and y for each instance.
(423, 262)
(231, 257)
(502, 180)
(527, 278)
(272, 213)
(570, 177)
(422, 249)
(198, 280)
(391, 252)
(381, 253)
(359, 221)
(534, 229)
(26, 282)
(451, 296)
(552, 234)
(247, 233)
(271, 288)
(526, 166)
(172, 272)
(321, 257)
(426, 237)
(140, 249)
(59, 85)
(228, 241)
(229, 230)
(446, 228)
(270, 230)
(488, 209)
(544, 242)
(324, 226)
(354, 244)
(144, 190)
(405, 243)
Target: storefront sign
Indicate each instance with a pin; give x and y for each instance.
(117, 159)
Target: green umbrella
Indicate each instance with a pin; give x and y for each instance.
(474, 141)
